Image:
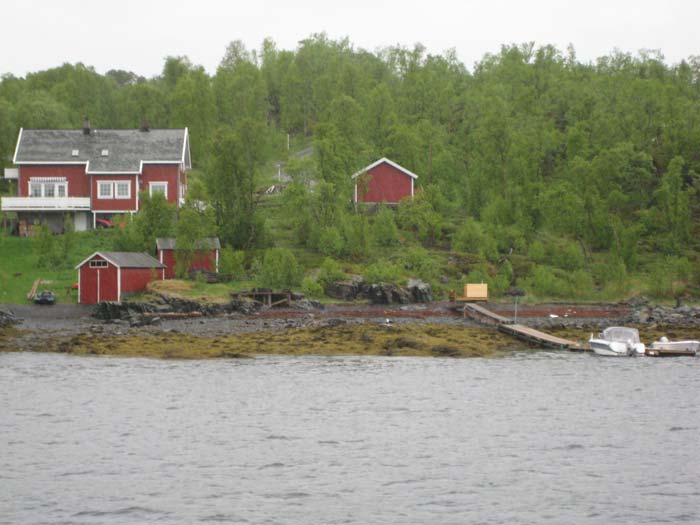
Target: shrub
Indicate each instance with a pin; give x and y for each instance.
(231, 263)
(384, 228)
(358, 240)
(568, 256)
(279, 269)
(472, 238)
(330, 272)
(669, 277)
(581, 283)
(68, 241)
(546, 283)
(47, 251)
(509, 239)
(611, 275)
(418, 261)
(419, 216)
(537, 252)
(310, 287)
(382, 271)
(330, 242)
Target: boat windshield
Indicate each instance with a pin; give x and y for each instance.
(621, 333)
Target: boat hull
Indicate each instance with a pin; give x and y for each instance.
(674, 348)
(606, 348)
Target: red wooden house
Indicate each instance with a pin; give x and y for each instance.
(207, 258)
(92, 174)
(383, 181)
(108, 276)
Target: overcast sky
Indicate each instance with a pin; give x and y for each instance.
(137, 35)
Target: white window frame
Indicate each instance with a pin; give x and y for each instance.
(128, 189)
(99, 264)
(43, 188)
(157, 184)
(105, 184)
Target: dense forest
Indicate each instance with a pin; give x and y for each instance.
(564, 178)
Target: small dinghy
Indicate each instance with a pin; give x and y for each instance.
(617, 341)
(664, 347)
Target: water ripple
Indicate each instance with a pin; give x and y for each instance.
(541, 437)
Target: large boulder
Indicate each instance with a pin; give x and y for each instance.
(244, 305)
(345, 290)
(421, 292)
(109, 310)
(7, 318)
(386, 293)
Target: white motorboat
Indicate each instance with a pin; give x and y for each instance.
(617, 341)
(665, 347)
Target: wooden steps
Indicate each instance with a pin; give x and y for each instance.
(484, 315)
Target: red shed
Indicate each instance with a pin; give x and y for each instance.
(207, 258)
(383, 181)
(107, 276)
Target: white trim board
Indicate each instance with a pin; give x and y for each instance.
(390, 163)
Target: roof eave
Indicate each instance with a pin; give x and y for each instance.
(390, 162)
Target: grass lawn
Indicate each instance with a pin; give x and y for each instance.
(19, 269)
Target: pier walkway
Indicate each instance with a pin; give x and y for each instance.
(525, 333)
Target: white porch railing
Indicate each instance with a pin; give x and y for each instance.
(44, 203)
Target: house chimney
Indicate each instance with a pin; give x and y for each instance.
(145, 126)
(86, 126)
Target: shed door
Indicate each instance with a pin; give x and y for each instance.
(88, 285)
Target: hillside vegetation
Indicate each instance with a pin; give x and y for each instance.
(567, 179)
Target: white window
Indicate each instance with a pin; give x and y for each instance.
(105, 153)
(122, 190)
(158, 187)
(75, 153)
(48, 187)
(98, 264)
(104, 190)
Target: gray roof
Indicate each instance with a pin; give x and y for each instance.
(168, 243)
(131, 259)
(127, 148)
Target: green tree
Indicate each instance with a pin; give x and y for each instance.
(279, 269)
(237, 156)
(193, 106)
(192, 228)
(156, 218)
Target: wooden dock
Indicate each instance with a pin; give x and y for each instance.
(525, 333)
(536, 337)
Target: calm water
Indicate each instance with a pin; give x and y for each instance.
(531, 438)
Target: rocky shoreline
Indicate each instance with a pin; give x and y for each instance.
(112, 328)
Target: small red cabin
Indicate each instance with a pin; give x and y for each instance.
(108, 276)
(383, 181)
(207, 258)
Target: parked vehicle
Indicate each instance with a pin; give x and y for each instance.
(104, 223)
(617, 341)
(45, 297)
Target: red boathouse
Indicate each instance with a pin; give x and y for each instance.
(207, 258)
(108, 276)
(383, 181)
